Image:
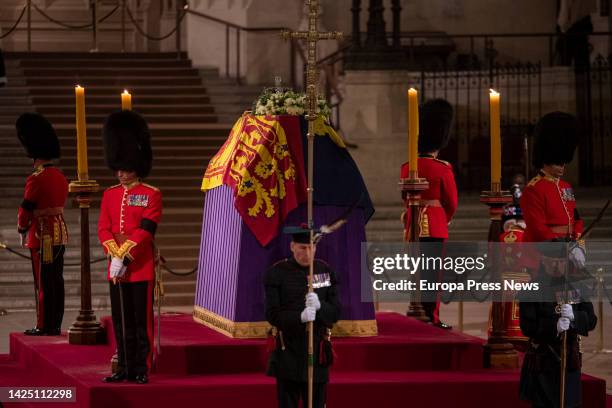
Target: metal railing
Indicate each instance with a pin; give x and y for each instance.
(94, 23)
(238, 29)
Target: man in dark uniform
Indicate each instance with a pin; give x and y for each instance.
(129, 214)
(41, 221)
(289, 307)
(550, 213)
(439, 201)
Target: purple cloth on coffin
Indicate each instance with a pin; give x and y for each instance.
(232, 262)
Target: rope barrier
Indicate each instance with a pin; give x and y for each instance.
(150, 37)
(163, 264)
(14, 27)
(82, 27)
(74, 27)
(14, 252)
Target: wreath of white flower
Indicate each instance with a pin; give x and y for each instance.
(282, 101)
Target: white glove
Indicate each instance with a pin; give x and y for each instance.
(312, 300)
(563, 324)
(117, 269)
(23, 239)
(308, 315)
(567, 311)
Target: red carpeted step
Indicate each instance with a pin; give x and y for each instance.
(403, 344)
(53, 362)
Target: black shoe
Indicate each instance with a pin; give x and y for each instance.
(115, 378)
(443, 325)
(142, 379)
(34, 332)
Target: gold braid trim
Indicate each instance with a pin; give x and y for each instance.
(111, 248)
(343, 328)
(124, 250)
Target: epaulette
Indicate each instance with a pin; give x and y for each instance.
(534, 181)
(38, 171)
(443, 162)
(115, 186)
(150, 186)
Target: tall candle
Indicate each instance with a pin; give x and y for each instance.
(494, 110)
(126, 100)
(81, 128)
(413, 130)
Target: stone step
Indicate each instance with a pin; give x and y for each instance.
(122, 82)
(98, 301)
(68, 63)
(149, 57)
(93, 72)
(94, 109)
(94, 143)
(151, 118)
(95, 171)
(71, 289)
(154, 89)
(173, 97)
(138, 100)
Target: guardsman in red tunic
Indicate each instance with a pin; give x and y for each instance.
(549, 209)
(129, 215)
(439, 201)
(41, 221)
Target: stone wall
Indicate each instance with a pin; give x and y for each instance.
(374, 117)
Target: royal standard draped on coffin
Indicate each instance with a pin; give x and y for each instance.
(255, 185)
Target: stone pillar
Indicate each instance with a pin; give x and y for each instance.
(374, 117)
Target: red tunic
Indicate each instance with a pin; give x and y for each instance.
(549, 209)
(41, 211)
(128, 220)
(440, 199)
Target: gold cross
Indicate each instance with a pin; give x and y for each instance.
(312, 36)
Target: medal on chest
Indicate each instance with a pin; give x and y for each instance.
(138, 200)
(321, 280)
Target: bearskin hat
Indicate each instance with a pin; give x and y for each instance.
(127, 143)
(436, 117)
(555, 139)
(37, 136)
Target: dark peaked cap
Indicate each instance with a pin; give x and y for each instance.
(37, 136)
(435, 119)
(127, 143)
(555, 139)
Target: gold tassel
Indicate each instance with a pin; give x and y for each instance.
(424, 223)
(47, 249)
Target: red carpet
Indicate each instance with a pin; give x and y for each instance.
(408, 364)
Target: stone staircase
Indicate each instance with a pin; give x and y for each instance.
(190, 112)
(49, 36)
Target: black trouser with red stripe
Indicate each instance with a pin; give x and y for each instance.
(138, 310)
(49, 288)
(433, 248)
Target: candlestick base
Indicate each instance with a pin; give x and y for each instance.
(498, 353)
(83, 186)
(412, 188)
(86, 330)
